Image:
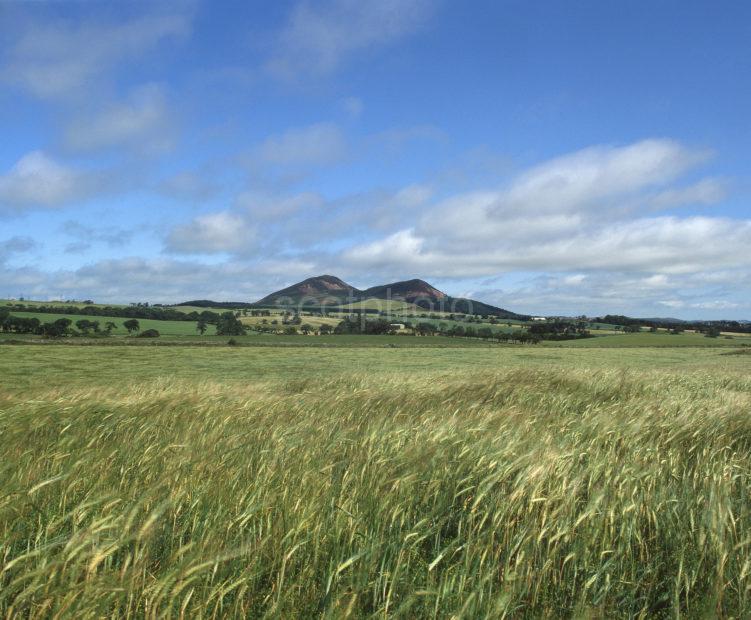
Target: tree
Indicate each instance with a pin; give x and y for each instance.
(109, 326)
(201, 326)
(132, 325)
(306, 328)
(85, 326)
(324, 329)
(63, 324)
(52, 330)
(485, 333)
(229, 325)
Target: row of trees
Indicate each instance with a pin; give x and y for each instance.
(559, 330)
(140, 311)
(60, 327)
(705, 327)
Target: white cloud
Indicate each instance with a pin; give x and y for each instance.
(62, 58)
(614, 292)
(213, 233)
(316, 145)
(672, 303)
(658, 280)
(705, 192)
(664, 245)
(156, 280)
(414, 195)
(400, 248)
(263, 206)
(592, 178)
(318, 38)
(144, 123)
(37, 181)
(84, 235)
(715, 305)
(574, 280)
(573, 213)
(188, 185)
(15, 245)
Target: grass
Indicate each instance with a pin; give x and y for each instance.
(648, 339)
(28, 369)
(466, 483)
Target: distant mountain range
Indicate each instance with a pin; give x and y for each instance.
(330, 291)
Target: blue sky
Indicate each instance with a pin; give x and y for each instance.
(547, 157)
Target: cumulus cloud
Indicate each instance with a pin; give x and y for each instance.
(64, 58)
(414, 195)
(572, 213)
(318, 38)
(38, 181)
(15, 245)
(616, 292)
(265, 206)
(592, 178)
(144, 123)
(188, 185)
(213, 233)
(316, 145)
(159, 280)
(84, 235)
(663, 245)
(705, 192)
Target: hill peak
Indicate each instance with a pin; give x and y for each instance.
(408, 290)
(323, 289)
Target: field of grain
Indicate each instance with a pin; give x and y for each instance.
(469, 483)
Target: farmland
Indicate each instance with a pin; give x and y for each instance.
(443, 328)
(481, 481)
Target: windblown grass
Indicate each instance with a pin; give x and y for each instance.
(517, 493)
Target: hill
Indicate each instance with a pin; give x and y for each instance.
(411, 291)
(332, 291)
(320, 290)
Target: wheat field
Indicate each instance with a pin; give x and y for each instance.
(517, 492)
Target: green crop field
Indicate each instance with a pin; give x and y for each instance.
(391, 306)
(371, 481)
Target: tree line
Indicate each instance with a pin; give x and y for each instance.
(704, 327)
(139, 311)
(357, 324)
(66, 327)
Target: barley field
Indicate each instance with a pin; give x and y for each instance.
(517, 483)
